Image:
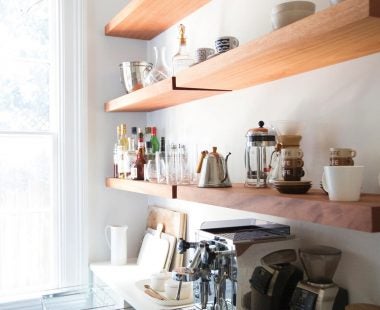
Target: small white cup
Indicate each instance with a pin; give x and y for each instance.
(201, 54)
(117, 243)
(158, 280)
(343, 183)
(171, 289)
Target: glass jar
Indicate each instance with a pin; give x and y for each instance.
(160, 70)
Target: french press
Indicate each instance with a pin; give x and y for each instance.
(259, 148)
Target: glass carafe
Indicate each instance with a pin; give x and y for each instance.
(259, 149)
(160, 70)
(275, 167)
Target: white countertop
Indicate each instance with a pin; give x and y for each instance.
(122, 279)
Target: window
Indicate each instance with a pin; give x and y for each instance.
(41, 136)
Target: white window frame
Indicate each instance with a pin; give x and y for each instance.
(70, 81)
(72, 150)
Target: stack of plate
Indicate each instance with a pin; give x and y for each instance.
(292, 187)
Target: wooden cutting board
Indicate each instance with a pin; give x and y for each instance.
(174, 224)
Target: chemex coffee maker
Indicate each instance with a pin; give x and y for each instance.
(273, 283)
(319, 292)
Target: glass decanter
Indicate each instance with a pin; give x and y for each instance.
(160, 70)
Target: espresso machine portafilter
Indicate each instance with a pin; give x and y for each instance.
(213, 265)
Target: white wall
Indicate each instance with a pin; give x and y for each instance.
(339, 105)
(108, 206)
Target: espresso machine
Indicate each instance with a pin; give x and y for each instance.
(319, 292)
(213, 265)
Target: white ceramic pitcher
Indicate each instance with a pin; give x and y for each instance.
(116, 237)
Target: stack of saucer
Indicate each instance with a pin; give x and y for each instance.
(292, 187)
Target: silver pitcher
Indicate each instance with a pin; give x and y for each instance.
(213, 170)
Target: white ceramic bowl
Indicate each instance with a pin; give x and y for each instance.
(289, 12)
(171, 289)
(158, 280)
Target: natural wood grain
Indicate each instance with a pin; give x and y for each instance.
(314, 206)
(157, 96)
(374, 8)
(175, 224)
(342, 32)
(311, 207)
(145, 19)
(339, 33)
(143, 187)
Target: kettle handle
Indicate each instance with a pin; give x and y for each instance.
(226, 169)
(200, 162)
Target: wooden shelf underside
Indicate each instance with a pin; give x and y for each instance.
(312, 207)
(145, 19)
(160, 95)
(346, 31)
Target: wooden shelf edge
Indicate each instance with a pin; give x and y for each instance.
(312, 207)
(160, 95)
(145, 19)
(143, 187)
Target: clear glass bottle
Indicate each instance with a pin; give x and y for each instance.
(115, 162)
(160, 162)
(160, 70)
(182, 59)
(147, 136)
(122, 151)
(134, 139)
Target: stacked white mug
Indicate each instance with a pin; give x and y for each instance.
(341, 179)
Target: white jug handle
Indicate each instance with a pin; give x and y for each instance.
(108, 227)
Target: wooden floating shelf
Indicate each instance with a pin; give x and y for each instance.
(145, 19)
(342, 32)
(160, 95)
(142, 187)
(312, 207)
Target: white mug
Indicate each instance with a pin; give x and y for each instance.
(343, 183)
(117, 243)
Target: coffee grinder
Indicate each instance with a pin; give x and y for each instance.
(273, 282)
(319, 292)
